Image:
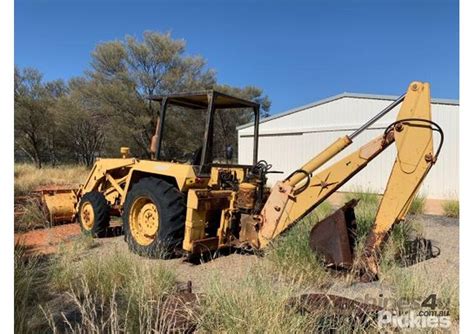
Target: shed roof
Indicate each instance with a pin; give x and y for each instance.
(340, 96)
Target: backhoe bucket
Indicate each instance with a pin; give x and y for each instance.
(59, 203)
(334, 237)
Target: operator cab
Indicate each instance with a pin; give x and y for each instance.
(200, 129)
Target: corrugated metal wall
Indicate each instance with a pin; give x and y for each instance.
(289, 141)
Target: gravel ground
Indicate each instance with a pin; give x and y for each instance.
(225, 267)
(443, 231)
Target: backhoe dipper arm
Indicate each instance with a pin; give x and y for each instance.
(415, 157)
(290, 200)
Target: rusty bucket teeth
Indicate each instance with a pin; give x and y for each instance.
(333, 237)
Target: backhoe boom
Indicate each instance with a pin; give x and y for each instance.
(290, 200)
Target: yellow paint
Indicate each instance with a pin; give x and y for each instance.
(288, 202)
(284, 208)
(60, 204)
(201, 205)
(144, 221)
(87, 216)
(414, 142)
(321, 159)
(125, 152)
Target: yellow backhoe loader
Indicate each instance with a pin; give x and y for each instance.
(202, 204)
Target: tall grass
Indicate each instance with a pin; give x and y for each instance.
(31, 216)
(117, 314)
(263, 302)
(451, 208)
(31, 276)
(414, 285)
(115, 288)
(418, 205)
(290, 253)
(256, 304)
(365, 212)
(28, 177)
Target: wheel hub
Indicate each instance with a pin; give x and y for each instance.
(87, 216)
(144, 221)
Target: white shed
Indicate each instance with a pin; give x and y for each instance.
(289, 139)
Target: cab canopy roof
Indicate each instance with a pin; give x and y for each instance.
(199, 100)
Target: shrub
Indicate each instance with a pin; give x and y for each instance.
(418, 205)
(451, 208)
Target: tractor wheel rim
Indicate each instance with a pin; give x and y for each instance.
(144, 221)
(87, 216)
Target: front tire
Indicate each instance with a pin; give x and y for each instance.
(94, 214)
(154, 218)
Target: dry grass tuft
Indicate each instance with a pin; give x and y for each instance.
(260, 303)
(451, 208)
(256, 304)
(291, 255)
(418, 205)
(412, 286)
(116, 290)
(31, 275)
(31, 216)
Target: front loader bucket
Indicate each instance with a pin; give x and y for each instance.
(333, 237)
(59, 203)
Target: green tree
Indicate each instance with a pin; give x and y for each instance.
(35, 126)
(108, 108)
(81, 128)
(125, 73)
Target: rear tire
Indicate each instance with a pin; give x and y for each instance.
(94, 215)
(154, 218)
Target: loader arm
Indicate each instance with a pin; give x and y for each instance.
(290, 200)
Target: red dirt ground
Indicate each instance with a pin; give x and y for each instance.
(46, 241)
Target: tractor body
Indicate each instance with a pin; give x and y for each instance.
(208, 192)
(192, 196)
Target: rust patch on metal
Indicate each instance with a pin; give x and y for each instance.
(246, 196)
(333, 237)
(248, 229)
(205, 245)
(179, 312)
(331, 311)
